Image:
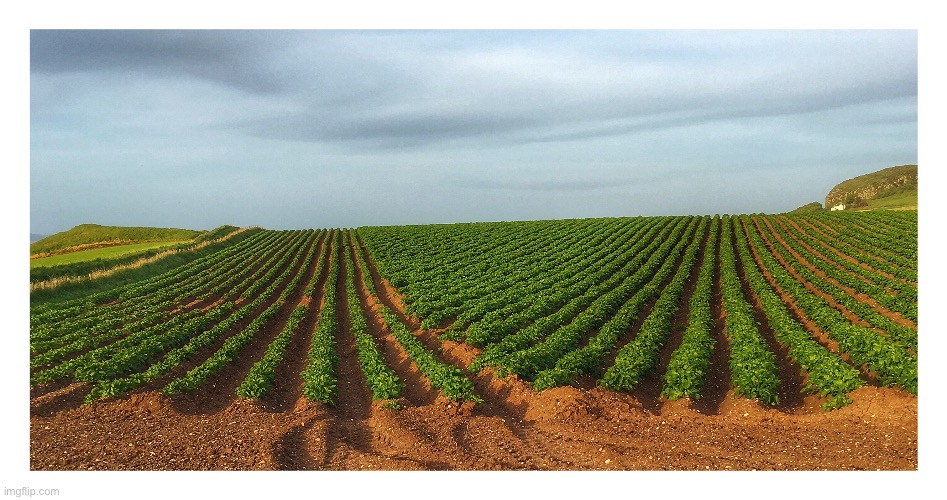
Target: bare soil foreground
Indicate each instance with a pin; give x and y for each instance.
(514, 429)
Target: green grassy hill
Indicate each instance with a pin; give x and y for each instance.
(905, 200)
(67, 274)
(104, 253)
(809, 208)
(87, 236)
(889, 188)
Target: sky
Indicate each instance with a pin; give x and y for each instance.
(345, 128)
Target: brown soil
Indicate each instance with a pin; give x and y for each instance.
(515, 428)
(288, 386)
(792, 379)
(717, 382)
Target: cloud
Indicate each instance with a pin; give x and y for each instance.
(524, 118)
(411, 89)
(233, 58)
(424, 93)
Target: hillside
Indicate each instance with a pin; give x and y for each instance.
(893, 187)
(86, 236)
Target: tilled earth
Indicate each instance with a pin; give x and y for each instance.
(514, 429)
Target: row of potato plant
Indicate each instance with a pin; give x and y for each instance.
(546, 315)
(687, 368)
(640, 356)
(381, 379)
(902, 334)
(879, 354)
(544, 355)
(826, 374)
(448, 379)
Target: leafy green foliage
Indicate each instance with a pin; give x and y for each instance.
(381, 379)
(263, 372)
(687, 369)
(449, 379)
(640, 356)
(94, 234)
(865, 346)
(547, 300)
(752, 364)
(320, 383)
(815, 206)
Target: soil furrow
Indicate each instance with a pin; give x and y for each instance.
(648, 391)
(418, 390)
(800, 316)
(864, 299)
(287, 388)
(487, 385)
(201, 355)
(220, 388)
(353, 402)
(61, 399)
(717, 384)
(791, 379)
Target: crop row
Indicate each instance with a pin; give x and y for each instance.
(640, 356)
(549, 301)
(888, 360)
(449, 379)
(532, 316)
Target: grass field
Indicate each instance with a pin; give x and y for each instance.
(100, 253)
(86, 236)
(900, 201)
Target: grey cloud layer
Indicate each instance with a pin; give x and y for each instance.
(402, 89)
(327, 128)
(233, 58)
